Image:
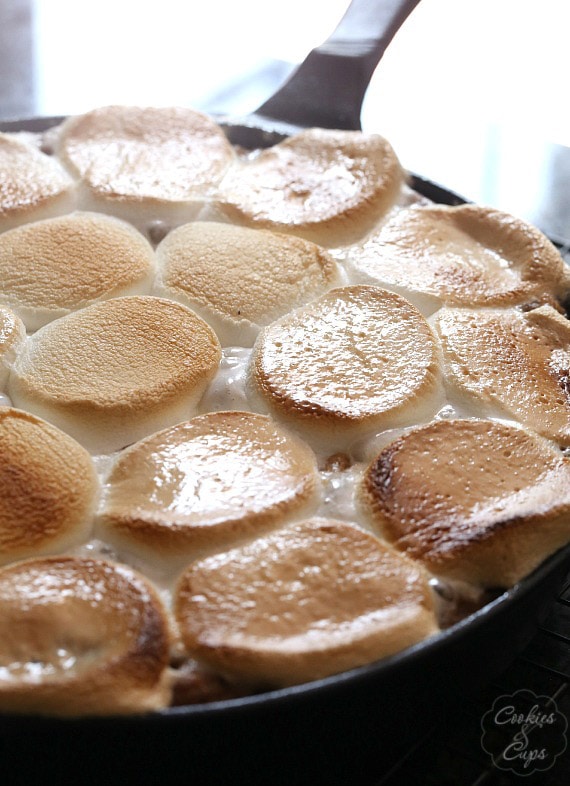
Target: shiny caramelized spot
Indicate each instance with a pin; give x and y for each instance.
(513, 361)
(208, 482)
(476, 500)
(305, 601)
(80, 636)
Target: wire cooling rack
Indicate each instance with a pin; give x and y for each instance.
(452, 754)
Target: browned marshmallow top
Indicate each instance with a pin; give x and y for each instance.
(117, 370)
(304, 602)
(472, 499)
(79, 636)
(326, 186)
(49, 268)
(464, 255)
(48, 487)
(166, 154)
(12, 337)
(358, 358)
(207, 482)
(239, 278)
(127, 351)
(31, 184)
(515, 362)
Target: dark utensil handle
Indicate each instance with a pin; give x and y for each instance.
(328, 88)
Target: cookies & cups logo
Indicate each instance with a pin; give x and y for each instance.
(523, 732)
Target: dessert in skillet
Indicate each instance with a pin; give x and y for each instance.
(264, 417)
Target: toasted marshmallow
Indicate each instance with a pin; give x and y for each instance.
(80, 637)
(145, 164)
(117, 370)
(207, 483)
(510, 363)
(50, 268)
(464, 255)
(474, 500)
(33, 185)
(240, 279)
(48, 488)
(357, 360)
(12, 338)
(330, 187)
(304, 602)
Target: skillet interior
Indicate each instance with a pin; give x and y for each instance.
(348, 728)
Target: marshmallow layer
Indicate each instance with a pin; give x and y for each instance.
(309, 600)
(240, 279)
(116, 371)
(80, 637)
(205, 483)
(474, 500)
(356, 360)
(464, 255)
(50, 268)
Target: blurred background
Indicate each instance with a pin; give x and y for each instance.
(471, 93)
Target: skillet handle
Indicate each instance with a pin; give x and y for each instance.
(327, 89)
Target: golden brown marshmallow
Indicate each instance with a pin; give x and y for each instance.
(145, 163)
(473, 500)
(463, 255)
(358, 359)
(33, 186)
(240, 279)
(511, 363)
(81, 637)
(309, 600)
(50, 268)
(207, 483)
(48, 488)
(327, 186)
(116, 371)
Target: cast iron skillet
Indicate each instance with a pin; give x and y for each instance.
(346, 729)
